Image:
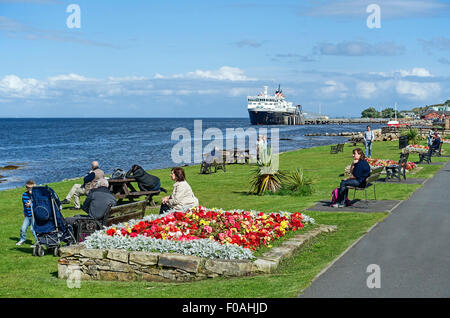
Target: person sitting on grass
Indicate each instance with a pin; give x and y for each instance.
(182, 195)
(359, 172)
(28, 220)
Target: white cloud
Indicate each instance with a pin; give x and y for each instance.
(14, 86)
(418, 91)
(70, 77)
(366, 89)
(334, 89)
(225, 73)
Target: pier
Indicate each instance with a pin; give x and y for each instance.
(341, 121)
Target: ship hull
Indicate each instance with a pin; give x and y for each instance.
(264, 117)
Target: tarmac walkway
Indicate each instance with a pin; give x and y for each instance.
(406, 255)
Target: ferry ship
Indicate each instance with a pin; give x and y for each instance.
(266, 109)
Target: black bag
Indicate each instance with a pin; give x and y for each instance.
(118, 174)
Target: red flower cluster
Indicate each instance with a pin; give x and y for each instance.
(385, 163)
(241, 228)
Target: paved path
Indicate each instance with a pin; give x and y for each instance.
(411, 247)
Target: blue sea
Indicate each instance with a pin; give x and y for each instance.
(50, 150)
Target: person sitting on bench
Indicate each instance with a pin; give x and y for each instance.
(435, 143)
(83, 189)
(359, 170)
(182, 195)
(146, 181)
(96, 203)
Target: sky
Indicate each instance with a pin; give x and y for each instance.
(203, 58)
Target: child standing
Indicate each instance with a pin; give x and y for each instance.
(28, 220)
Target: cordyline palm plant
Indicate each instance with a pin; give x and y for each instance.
(266, 176)
(297, 182)
(413, 135)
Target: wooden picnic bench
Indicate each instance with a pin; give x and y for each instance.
(212, 162)
(123, 189)
(236, 156)
(113, 215)
(337, 148)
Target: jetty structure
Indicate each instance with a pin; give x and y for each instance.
(265, 109)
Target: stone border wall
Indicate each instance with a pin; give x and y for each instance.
(122, 265)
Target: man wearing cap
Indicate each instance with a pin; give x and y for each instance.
(78, 190)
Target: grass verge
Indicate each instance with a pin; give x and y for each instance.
(22, 275)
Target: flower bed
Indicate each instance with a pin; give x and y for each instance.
(209, 233)
(384, 163)
(417, 148)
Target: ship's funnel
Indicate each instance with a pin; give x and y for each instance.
(265, 91)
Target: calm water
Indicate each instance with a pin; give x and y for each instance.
(56, 149)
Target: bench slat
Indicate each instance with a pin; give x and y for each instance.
(126, 208)
(123, 218)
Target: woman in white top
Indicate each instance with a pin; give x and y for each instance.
(182, 195)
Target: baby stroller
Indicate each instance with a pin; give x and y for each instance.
(50, 227)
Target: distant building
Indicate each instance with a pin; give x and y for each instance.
(441, 108)
(408, 114)
(434, 114)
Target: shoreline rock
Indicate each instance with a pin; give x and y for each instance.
(10, 167)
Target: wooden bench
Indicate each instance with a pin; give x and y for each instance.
(114, 215)
(123, 189)
(212, 162)
(398, 170)
(432, 152)
(337, 148)
(370, 181)
(437, 152)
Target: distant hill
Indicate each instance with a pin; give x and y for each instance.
(419, 110)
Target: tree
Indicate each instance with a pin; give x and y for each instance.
(390, 113)
(370, 112)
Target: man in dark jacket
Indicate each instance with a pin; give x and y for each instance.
(98, 200)
(96, 204)
(435, 144)
(146, 182)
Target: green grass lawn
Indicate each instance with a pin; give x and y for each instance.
(22, 275)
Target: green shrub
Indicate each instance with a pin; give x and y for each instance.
(296, 183)
(412, 134)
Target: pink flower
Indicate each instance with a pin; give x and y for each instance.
(208, 228)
